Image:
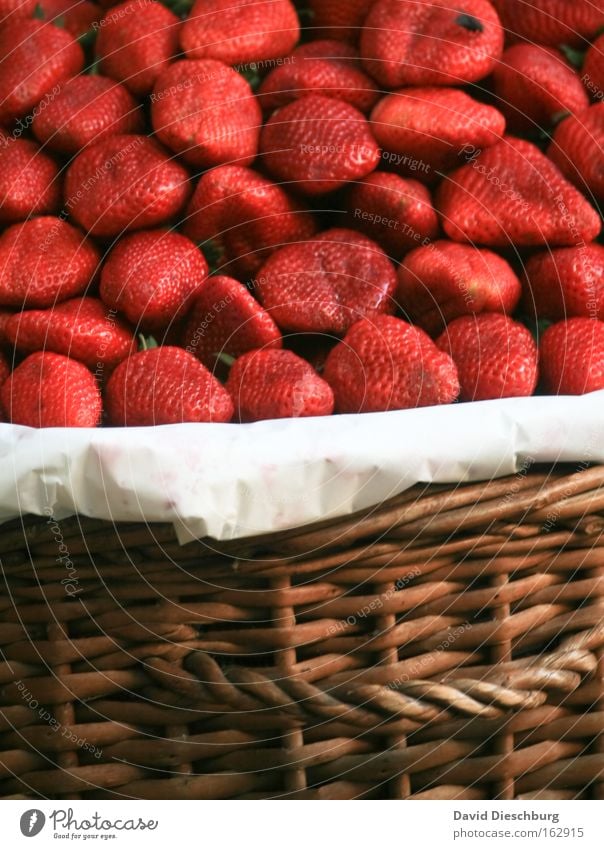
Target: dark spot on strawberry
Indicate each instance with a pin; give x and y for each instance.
(470, 23)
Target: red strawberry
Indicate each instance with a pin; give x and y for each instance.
(551, 22)
(246, 215)
(136, 41)
(433, 126)
(566, 282)
(384, 363)
(445, 280)
(512, 194)
(409, 42)
(165, 386)
(14, 9)
(75, 16)
(29, 180)
(87, 109)
(207, 112)
(495, 356)
(240, 31)
(44, 261)
(50, 390)
(319, 144)
(331, 68)
(82, 328)
(327, 283)
(341, 19)
(536, 86)
(572, 357)
(396, 213)
(576, 149)
(35, 57)
(124, 183)
(593, 69)
(274, 384)
(226, 319)
(152, 278)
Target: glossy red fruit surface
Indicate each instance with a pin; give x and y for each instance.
(227, 319)
(240, 31)
(86, 109)
(384, 363)
(276, 384)
(572, 357)
(206, 112)
(318, 144)
(50, 390)
(82, 328)
(512, 194)
(125, 183)
(413, 42)
(496, 357)
(326, 284)
(44, 261)
(445, 280)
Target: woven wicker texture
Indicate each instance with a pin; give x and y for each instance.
(447, 644)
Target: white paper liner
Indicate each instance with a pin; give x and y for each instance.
(231, 481)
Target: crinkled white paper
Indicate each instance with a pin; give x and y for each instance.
(230, 481)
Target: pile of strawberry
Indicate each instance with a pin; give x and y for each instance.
(235, 210)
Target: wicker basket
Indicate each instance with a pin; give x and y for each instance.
(447, 644)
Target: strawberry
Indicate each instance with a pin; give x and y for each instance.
(77, 17)
(327, 283)
(512, 194)
(551, 22)
(445, 280)
(82, 328)
(165, 386)
(396, 213)
(35, 57)
(495, 356)
(593, 69)
(384, 363)
(207, 112)
(152, 278)
(50, 390)
(29, 180)
(535, 86)
(331, 68)
(136, 41)
(43, 261)
(124, 183)
(240, 31)
(340, 19)
(572, 357)
(413, 42)
(566, 282)
(433, 126)
(16, 9)
(226, 319)
(319, 144)
(274, 384)
(87, 109)
(576, 149)
(246, 216)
